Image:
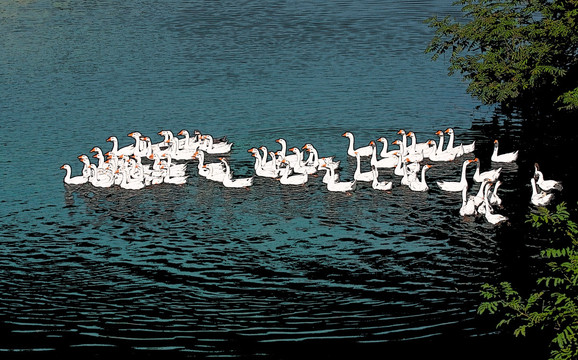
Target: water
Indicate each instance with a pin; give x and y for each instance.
(204, 270)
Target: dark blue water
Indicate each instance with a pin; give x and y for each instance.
(201, 269)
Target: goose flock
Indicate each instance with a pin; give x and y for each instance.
(145, 163)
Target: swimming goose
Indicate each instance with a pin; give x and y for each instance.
(259, 170)
(456, 185)
(188, 142)
(489, 212)
(379, 185)
(466, 148)
(295, 179)
(127, 182)
(491, 175)
(420, 185)
(290, 158)
(300, 167)
(468, 205)
(413, 157)
(338, 186)
(506, 157)
(362, 151)
(494, 199)
(211, 147)
(408, 176)
(104, 180)
(539, 198)
(437, 155)
(386, 162)
(75, 180)
(545, 185)
(230, 182)
(361, 176)
(126, 150)
(384, 150)
(212, 171)
(416, 147)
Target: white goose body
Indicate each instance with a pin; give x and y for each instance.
(420, 185)
(539, 198)
(494, 199)
(359, 175)
(351, 150)
(379, 185)
(211, 147)
(466, 149)
(103, 180)
(230, 182)
(295, 179)
(300, 166)
(468, 205)
(491, 175)
(338, 186)
(456, 185)
(505, 157)
(437, 155)
(385, 152)
(386, 162)
(212, 171)
(290, 158)
(545, 185)
(416, 147)
(489, 214)
(75, 180)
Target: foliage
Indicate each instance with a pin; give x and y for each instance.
(554, 306)
(511, 49)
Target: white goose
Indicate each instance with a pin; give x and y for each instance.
(99, 156)
(75, 180)
(103, 180)
(290, 158)
(174, 169)
(468, 206)
(505, 157)
(420, 185)
(413, 157)
(456, 185)
(188, 142)
(379, 185)
(408, 176)
(212, 171)
(385, 152)
(229, 182)
(386, 162)
(266, 165)
(489, 213)
(416, 147)
(329, 175)
(127, 182)
(211, 147)
(300, 167)
(362, 151)
(539, 198)
(494, 199)
(295, 179)
(437, 155)
(338, 186)
(359, 175)
(491, 175)
(259, 170)
(86, 172)
(466, 148)
(545, 185)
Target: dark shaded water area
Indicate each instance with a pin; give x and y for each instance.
(274, 271)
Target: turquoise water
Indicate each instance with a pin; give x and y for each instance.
(204, 270)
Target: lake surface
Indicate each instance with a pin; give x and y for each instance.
(203, 270)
